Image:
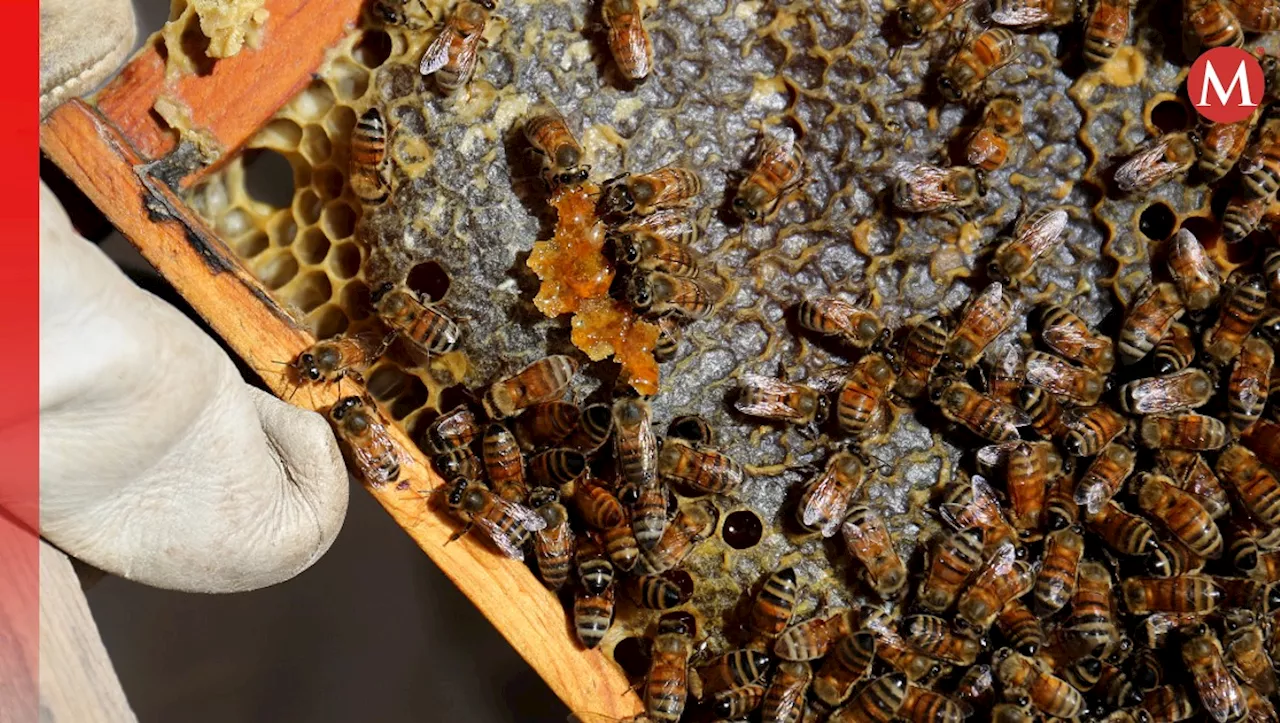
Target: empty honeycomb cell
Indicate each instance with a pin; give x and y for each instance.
(387, 382)
(310, 291)
(1157, 221)
(315, 145)
(276, 270)
(429, 279)
(234, 222)
(742, 529)
(349, 80)
(340, 121)
(1167, 113)
(344, 260)
(632, 655)
(373, 49)
(413, 398)
(195, 47)
(281, 228)
(338, 220)
(328, 321)
(268, 178)
(307, 207)
(355, 299)
(328, 182)
(251, 244)
(314, 102)
(312, 246)
(280, 134)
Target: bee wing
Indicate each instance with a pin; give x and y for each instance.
(437, 55)
(1042, 371)
(1044, 230)
(769, 408)
(468, 54)
(1145, 170)
(1065, 336)
(1003, 560)
(829, 380)
(859, 540)
(928, 189)
(994, 455)
(1019, 16)
(525, 517)
(1091, 497)
(884, 633)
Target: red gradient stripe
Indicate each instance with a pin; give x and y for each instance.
(20, 355)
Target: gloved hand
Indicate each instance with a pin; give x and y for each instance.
(157, 462)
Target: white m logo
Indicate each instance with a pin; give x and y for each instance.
(1241, 78)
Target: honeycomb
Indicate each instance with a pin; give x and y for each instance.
(467, 206)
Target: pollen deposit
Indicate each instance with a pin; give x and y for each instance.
(576, 276)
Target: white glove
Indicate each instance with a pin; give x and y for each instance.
(157, 462)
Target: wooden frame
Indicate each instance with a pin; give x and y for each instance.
(132, 167)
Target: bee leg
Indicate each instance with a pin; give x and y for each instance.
(459, 533)
(694, 683)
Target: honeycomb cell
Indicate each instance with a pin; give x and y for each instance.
(344, 260)
(268, 178)
(312, 246)
(307, 207)
(280, 134)
(310, 291)
(340, 121)
(1168, 113)
(277, 270)
(328, 182)
(632, 655)
(742, 529)
(234, 222)
(315, 145)
(349, 80)
(429, 279)
(328, 321)
(355, 299)
(338, 220)
(373, 49)
(314, 102)
(281, 228)
(251, 244)
(387, 382)
(413, 398)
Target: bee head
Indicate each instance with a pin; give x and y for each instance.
(744, 209)
(640, 293)
(306, 366)
(344, 407)
(574, 176)
(458, 491)
(907, 23)
(381, 291)
(948, 88)
(618, 198)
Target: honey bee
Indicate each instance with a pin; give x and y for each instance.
(933, 636)
(894, 651)
(457, 463)
(1026, 477)
(737, 702)
(1263, 565)
(953, 558)
(1254, 485)
(455, 429)
(922, 188)
(541, 381)
(595, 572)
(1169, 703)
(976, 687)
(847, 664)
(1045, 413)
(812, 638)
(1076, 385)
(1188, 431)
(1242, 216)
(654, 592)
(986, 317)
(1105, 477)
(595, 425)
(1115, 690)
(1091, 429)
(925, 706)
(1049, 694)
(1242, 307)
(867, 539)
(1180, 391)
(774, 605)
(593, 615)
(701, 468)
(557, 467)
(506, 524)
(635, 446)
(1212, 23)
(918, 17)
(984, 416)
(1180, 513)
(1027, 14)
(1218, 689)
(1154, 631)
(1018, 712)
(879, 702)
(1157, 163)
(1147, 669)
(1175, 351)
(1007, 375)
(597, 505)
(666, 687)
(769, 398)
(629, 41)
(661, 294)
(1148, 320)
(1056, 580)
(669, 336)
(641, 237)
(977, 59)
(1021, 628)
(974, 504)
(1092, 623)
(371, 448)
(694, 523)
(1036, 234)
(621, 546)
(368, 151)
(646, 193)
(734, 670)
(1106, 30)
(779, 169)
(1194, 273)
(650, 252)
(1172, 558)
(1246, 652)
(553, 545)
(1082, 673)
(1071, 337)
(549, 135)
(1260, 177)
(1123, 531)
(988, 147)
(1222, 145)
(1004, 578)
(833, 316)
(920, 353)
(648, 503)
(858, 405)
(825, 502)
(427, 330)
(330, 360)
(1263, 439)
(451, 57)
(1250, 383)
(784, 702)
(547, 423)
(1181, 594)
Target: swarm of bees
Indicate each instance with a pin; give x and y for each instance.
(1109, 548)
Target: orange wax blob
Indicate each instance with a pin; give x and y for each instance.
(576, 277)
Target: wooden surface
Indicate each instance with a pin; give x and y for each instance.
(77, 681)
(99, 160)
